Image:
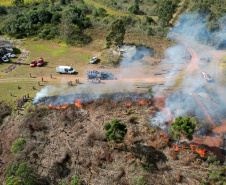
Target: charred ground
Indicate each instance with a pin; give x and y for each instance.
(66, 142)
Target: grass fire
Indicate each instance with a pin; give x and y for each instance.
(122, 93)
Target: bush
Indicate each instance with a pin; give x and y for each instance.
(150, 31)
(3, 10)
(19, 175)
(18, 145)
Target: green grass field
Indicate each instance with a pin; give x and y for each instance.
(9, 2)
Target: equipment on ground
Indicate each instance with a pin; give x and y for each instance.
(102, 75)
(65, 70)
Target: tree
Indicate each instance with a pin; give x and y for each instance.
(116, 33)
(18, 2)
(44, 16)
(3, 10)
(101, 12)
(165, 9)
(21, 174)
(115, 131)
(134, 9)
(182, 126)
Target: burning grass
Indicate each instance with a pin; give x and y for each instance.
(70, 138)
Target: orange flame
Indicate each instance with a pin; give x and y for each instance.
(57, 107)
(128, 103)
(64, 107)
(149, 103)
(201, 152)
(178, 148)
(142, 102)
(77, 103)
(165, 136)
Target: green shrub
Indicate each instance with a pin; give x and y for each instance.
(3, 10)
(76, 180)
(16, 51)
(18, 145)
(19, 175)
(11, 170)
(139, 181)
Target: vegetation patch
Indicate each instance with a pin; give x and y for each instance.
(18, 145)
(21, 174)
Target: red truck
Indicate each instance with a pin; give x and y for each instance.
(40, 62)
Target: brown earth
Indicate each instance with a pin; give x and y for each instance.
(67, 142)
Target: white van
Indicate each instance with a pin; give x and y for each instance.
(65, 70)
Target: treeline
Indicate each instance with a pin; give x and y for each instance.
(66, 20)
(45, 20)
(211, 11)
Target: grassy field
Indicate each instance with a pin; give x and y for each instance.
(60, 54)
(9, 2)
(54, 55)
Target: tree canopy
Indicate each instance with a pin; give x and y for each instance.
(166, 9)
(182, 127)
(116, 33)
(115, 131)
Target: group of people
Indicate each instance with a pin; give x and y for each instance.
(92, 72)
(96, 80)
(70, 82)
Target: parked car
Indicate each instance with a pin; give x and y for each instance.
(206, 76)
(40, 62)
(33, 63)
(5, 58)
(93, 60)
(10, 55)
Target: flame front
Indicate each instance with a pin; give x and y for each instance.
(64, 106)
(201, 152)
(195, 148)
(78, 103)
(142, 102)
(58, 107)
(128, 103)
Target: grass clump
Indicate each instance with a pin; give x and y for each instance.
(18, 145)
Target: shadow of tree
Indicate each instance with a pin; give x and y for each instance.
(148, 154)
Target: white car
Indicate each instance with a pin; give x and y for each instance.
(5, 59)
(93, 60)
(10, 55)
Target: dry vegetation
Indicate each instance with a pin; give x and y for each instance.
(67, 142)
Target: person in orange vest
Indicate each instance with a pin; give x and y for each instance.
(42, 79)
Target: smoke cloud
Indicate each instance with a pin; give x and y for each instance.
(195, 96)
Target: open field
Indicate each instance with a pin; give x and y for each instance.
(9, 2)
(59, 54)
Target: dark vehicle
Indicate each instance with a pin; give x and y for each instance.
(206, 76)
